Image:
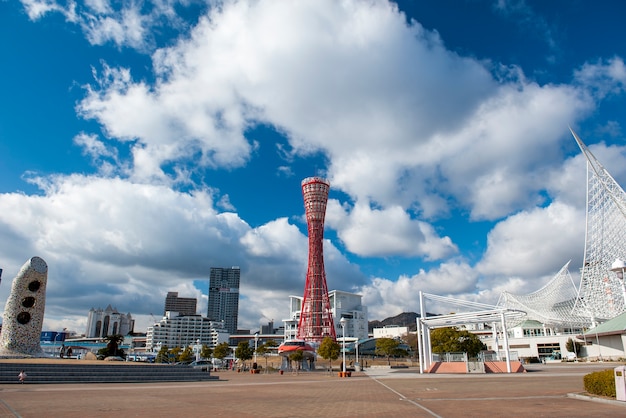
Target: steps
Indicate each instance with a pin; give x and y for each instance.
(75, 372)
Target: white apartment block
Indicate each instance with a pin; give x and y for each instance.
(176, 330)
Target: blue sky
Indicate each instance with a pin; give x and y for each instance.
(142, 143)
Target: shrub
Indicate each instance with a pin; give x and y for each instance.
(600, 383)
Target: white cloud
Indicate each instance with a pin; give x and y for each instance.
(372, 232)
(603, 78)
(386, 298)
(127, 244)
(531, 243)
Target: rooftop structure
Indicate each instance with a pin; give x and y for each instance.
(184, 306)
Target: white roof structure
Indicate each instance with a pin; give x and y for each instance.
(601, 294)
(554, 304)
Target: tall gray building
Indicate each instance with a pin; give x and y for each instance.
(224, 296)
(184, 306)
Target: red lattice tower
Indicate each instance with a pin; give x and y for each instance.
(316, 318)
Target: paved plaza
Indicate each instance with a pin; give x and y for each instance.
(545, 391)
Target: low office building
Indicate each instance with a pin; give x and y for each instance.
(390, 331)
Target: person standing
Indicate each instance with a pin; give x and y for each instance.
(22, 376)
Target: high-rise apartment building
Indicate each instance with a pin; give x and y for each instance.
(184, 306)
(224, 296)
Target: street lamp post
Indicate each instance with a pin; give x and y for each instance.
(342, 322)
(619, 267)
(256, 342)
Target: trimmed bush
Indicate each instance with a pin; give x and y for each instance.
(600, 383)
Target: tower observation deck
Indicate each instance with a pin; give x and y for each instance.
(316, 319)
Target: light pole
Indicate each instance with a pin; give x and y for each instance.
(618, 267)
(256, 342)
(54, 343)
(342, 322)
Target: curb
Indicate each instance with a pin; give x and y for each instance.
(584, 397)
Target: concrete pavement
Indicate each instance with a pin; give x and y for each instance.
(543, 391)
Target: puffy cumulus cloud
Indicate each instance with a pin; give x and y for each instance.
(403, 121)
(127, 244)
(233, 71)
(385, 232)
(385, 298)
(531, 243)
(499, 159)
(274, 238)
(171, 124)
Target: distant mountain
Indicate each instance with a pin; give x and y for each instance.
(405, 319)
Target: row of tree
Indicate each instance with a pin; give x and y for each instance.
(243, 352)
(443, 340)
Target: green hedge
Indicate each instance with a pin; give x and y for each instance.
(600, 383)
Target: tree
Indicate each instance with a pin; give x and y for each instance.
(206, 351)
(453, 340)
(329, 350)
(221, 351)
(243, 351)
(162, 356)
(173, 354)
(411, 340)
(112, 347)
(186, 355)
(297, 357)
(573, 347)
(389, 347)
(264, 349)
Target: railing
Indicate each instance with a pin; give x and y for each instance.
(450, 357)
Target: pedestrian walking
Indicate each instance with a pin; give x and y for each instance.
(22, 376)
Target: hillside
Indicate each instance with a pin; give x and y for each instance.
(405, 319)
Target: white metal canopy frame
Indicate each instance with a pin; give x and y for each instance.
(482, 313)
(601, 294)
(554, 304)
